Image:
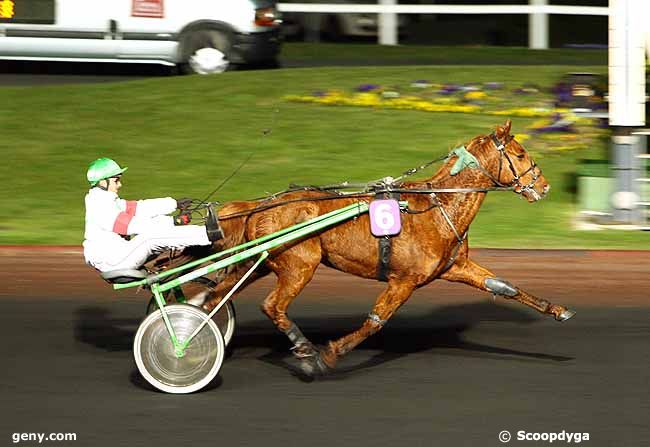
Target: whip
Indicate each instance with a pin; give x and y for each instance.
(264, 133)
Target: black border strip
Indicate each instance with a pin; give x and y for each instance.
(53, 34)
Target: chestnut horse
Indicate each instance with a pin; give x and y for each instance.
(431, 244)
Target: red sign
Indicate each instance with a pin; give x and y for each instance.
(148, 8)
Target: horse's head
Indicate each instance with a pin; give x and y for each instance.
(513, 165)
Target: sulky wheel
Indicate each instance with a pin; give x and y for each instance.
(156, 358)
(196, 291)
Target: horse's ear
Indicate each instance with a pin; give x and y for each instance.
(504, 131)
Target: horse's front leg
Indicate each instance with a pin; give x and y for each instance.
(471, 273)
(396, 294)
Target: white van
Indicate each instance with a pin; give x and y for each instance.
(203, 36)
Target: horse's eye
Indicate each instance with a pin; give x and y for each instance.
(521, 156)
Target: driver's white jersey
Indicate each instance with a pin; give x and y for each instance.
(109, 218)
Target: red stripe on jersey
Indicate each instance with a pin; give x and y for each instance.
(131, 205)
(121, 225)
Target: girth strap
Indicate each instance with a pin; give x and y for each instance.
(385, 243)
(383, 267)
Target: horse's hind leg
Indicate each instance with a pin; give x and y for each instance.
(471, 273)
(387, 303)
(229, 281)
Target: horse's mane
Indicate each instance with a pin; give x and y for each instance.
(476, 146)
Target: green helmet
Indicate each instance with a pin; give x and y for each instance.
(101, 169)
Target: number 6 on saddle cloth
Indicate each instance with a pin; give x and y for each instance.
(385, 219)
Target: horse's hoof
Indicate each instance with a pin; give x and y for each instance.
(314, 366)
(565, 315)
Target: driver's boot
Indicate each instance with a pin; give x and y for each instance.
(212, 227)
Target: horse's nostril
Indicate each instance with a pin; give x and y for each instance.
(547, 188)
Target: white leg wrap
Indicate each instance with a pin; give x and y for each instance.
(374, 317)
(500, 287)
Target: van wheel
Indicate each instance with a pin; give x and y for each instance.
(206, 52)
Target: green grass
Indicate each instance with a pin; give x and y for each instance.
(337, 54)
(181, 136)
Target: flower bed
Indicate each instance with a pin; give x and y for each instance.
(557, 130)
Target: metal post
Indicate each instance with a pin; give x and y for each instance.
(538, 28)
(626, 102)
(625, 151)
(387, 25)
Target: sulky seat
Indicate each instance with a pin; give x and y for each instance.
(123, 275)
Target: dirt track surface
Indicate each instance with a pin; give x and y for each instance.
(573, 277)
(451, 368)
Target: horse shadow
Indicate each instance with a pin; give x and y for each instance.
(441, 330)
(95, 326)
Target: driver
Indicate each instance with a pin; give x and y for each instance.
(109, 220)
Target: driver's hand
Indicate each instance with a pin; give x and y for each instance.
(183, 203)
(182, 219)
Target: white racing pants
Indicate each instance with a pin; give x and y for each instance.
(134, 253)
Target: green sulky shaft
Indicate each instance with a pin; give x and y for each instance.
(260, 240)
(312, 226)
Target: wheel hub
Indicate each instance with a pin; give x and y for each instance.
(208, 61)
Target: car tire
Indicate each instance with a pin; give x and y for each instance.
(207, 52)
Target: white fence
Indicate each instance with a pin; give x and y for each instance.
(538, 11)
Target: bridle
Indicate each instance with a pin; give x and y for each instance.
(393, 185)
(519, 188)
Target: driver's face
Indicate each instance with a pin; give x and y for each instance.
(114, 184)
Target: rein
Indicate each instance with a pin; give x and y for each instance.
(386, 185)
(356, 195)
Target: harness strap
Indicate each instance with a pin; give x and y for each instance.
(383, 267)
(447, 218)
(459, 238)
(454, 254)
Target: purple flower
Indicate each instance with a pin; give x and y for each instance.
(448, 89)
(367, 87)
(563, 94)
(493, 85)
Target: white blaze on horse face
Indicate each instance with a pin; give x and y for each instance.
(532, 195)
(531, 183)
